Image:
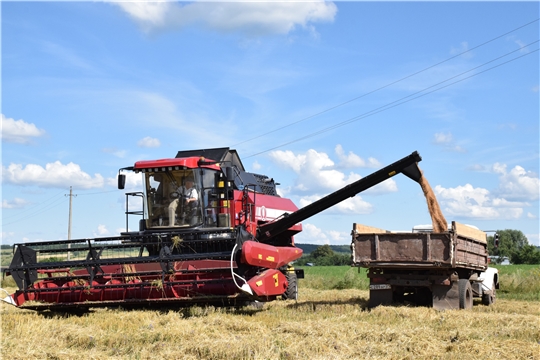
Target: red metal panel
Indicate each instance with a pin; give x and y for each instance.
(191, 162)
(268, 256)
(189, 280)
(269, 283)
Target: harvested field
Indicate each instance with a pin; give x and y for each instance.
(323, 324)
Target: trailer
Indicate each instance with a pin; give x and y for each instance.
(445, 270)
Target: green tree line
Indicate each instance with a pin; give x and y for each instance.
(514, 245)
(324, 256)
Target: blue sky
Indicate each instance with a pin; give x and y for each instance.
(314, 95)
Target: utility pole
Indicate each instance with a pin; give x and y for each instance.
(69, 223)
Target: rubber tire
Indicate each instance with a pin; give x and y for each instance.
(292, 288)
(465, 294)
(489, 299)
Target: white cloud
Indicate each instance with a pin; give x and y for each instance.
(476, 203)
(387, 186)
(53, 175)
(116, 152)
(315, 170)
(133, 181)
(256, 166)
(339, 237)
(447, 141)
(19, 131)
(7, 236)
(516, 189)
(498, 202)
(351, 160)
(317, 177)
(149, 142)
(518, 184)
(311, 234)
(101, 231)
(149, 14)
(442, 138)
(462, 49)
(253, 18)
(350, 206)
(66, 56)
(534, 239)
(499, 168)
(16, 203)
(522, 46)
(477, 168)
(531, 216)
(317, 173)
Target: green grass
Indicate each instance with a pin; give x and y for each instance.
(5, 257)
(517, 282)
(334, 277)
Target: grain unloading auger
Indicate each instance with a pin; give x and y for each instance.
(210, 233)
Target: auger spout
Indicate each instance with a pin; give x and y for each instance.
(407, 166)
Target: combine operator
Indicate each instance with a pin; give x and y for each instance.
(188, 198)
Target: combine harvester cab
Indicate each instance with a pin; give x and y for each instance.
(210, 233)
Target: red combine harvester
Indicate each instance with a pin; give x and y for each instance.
(210, 233)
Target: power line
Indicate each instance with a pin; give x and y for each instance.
(34, 207)
(51, 206)
(385, 86)
(42, 207)
(100, 192)
(397, 102)
(31, 208)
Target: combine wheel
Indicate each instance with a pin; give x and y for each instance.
(465, 294)
(292, 288)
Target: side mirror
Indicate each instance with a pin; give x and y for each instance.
(121, 181)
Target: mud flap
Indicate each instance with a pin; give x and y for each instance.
(446, 297)
(380, 296)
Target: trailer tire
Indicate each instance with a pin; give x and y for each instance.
(488, 298)
(292, 288)
(465, 294)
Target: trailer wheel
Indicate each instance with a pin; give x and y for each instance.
(465, 294)
(292, 288)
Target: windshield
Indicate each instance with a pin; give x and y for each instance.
(179, 198)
